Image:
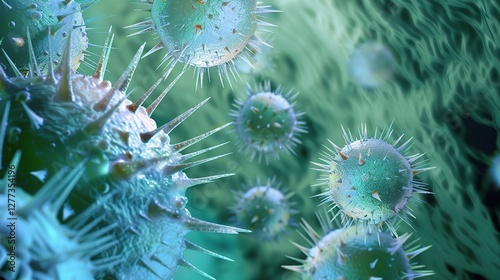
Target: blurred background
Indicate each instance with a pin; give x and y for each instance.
(430, 67)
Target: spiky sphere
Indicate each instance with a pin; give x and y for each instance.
(370, 180)
(22, 19)
(266, 122)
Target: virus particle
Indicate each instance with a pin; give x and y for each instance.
(205, 33)
(133, 185)
(264, 209)
(369, 180)
(495, 170)
(33, 19)
(35, 243)
(349, 253)
(371, 64)
(266, 122)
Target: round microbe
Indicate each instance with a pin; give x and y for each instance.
(371, 64)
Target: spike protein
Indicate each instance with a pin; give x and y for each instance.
(266, 122)
(264, 209)
(369, 180)
(133, 185)
(349, 253)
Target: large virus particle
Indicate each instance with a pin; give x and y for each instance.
(35, 245)
(264, 209)
(350, 253)
(46, 23)
(266, 122)
(133, 174)
(205, 33)
(369, 180)
(371, 64)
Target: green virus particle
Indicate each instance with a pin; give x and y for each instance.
(495, 170)
(264, 209)
(349, 253)
(369, 180)
(371, 64)
(23, 19)
(205, 33)
(266, 122)
(133, 175)
(35, 245)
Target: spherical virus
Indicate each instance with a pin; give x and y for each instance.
(264, 209)
(133, 175)
(349, 253)
(33, 19)
(369, 180)
(205, 33)
(371, 64)
(266, 122)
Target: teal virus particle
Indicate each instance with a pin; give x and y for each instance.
(266, 122)
(371, 64)
(133, 184)
(205, 33)
(350, 253)
(495, 170)
(34, 19)
(264, 209)
(35, 244)
(369, 180)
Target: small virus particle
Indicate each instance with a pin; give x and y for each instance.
(266, 122)
(205, 33)
(371, 64)
(369, 180)
(349, 253)
(495, 170)
(264, 209)
(33, 19)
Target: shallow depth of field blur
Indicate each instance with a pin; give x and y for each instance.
(443, 92)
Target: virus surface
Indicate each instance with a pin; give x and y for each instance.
(133, 174)
(371, 64)
(369, 180)
(33, 19)
(205, 33)
(264, 209)
(266, 122)
(350, 253)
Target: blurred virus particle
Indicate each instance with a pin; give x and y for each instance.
(495, 170)
(33, 19)
(35, 244)
(266, 122)
(371, 64)
(205, 33)
(133, 175)
(349, 253)
(369, 180)
(264, 209)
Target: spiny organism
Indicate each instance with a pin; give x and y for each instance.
(350, 253)
(205, 33)
(23, 19)
(369, 180)
(371, 64)
(61, 118)
(265, 209)
(266, 121)
(35, 244)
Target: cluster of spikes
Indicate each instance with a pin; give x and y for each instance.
(123, 170)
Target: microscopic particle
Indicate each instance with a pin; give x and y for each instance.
(371, 64)
(266, 122)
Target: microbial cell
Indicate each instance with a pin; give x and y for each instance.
(371, 64)
(266, 122)
(369, 180)
(263, 208)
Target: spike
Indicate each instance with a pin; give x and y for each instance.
(96, 126)
(341, 257)
(401, 148)
(33, 64)
(133, 107)
(301, 248)
(3, 128)
(398, 243)
(125, 170)
(187, 143)
(103, 60)
(13, 66)
(65, 90)
(187, 183)
(151, 108)
(376, 195)
(193, 154)
(171, 169)
(344, 157)
(50, 74)
(186, 264)
(123, 81)
(420, 170)
(168, 127)
(194, 247)
(361, 160)
(199, 225)
(148, 268)
(417, 252)
(35, 120)
(296, 268)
